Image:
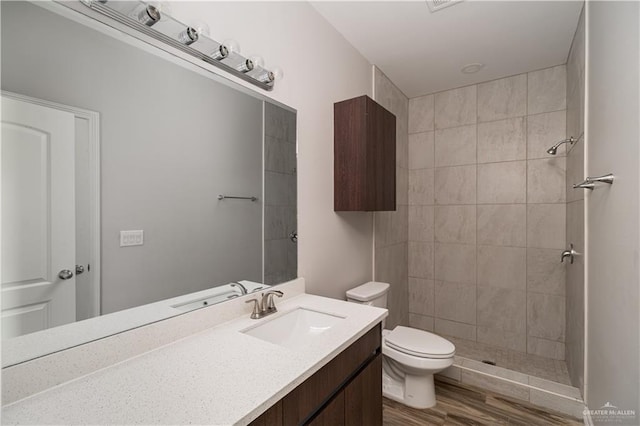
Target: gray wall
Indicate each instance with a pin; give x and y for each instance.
(575, 208)
(391, 228)
(487, 212)
(172, 140)
(613, 213)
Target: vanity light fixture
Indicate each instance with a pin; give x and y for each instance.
(192, 39)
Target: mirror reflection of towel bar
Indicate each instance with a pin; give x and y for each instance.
(222, 197)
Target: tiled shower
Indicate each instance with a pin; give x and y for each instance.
(487, 215)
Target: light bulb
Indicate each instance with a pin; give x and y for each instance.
(149, 16)
(231, 45)
(278, 74)
(258, 62)
(246, 66)
(200, 26)
(188, 36)
(163, 7)
(220, 53)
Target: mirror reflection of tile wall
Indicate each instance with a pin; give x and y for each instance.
(280, 222)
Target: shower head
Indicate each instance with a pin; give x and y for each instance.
(554, 149)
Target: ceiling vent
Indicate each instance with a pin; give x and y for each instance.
(436, 5)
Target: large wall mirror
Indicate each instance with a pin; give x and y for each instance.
(135, 185)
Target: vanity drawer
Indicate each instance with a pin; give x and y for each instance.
(341, 376)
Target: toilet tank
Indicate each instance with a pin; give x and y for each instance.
(373, 293)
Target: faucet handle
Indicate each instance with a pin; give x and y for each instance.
(268, 305)
(256, 308)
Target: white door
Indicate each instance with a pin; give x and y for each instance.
(613, 225)
(38, 217)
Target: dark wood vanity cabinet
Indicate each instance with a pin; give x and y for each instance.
(364, 156)
(346, 391)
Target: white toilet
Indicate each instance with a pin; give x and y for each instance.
(410, 357)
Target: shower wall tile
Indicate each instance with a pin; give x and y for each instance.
(455, 224)
(402, 186)
(546, 226)
(547, 90)
(455, 107)
(421, 150)
(421, 114)
(455, 185)
(455, 146)
(421, 260)
(502, 98)
(455, 302)
(545, 348)
(391, 268)
(503, 140)
(503, 267)
(488, 212)
(546, 180)
(502, 183)
(391, 228)
(546, 316)
(575, 347)
(544, 130)
(421, 296)
(455, 263)
(421, 322)
(575, 171)
(545, 273)
(455, 329)
(502, 225)
(421, 223)
(516, 341)
(421, 187)
(502, 309)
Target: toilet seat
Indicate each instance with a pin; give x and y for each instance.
(419, 343)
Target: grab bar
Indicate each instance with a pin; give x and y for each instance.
(223, 197)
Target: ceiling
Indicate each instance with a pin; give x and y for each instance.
(423, 52)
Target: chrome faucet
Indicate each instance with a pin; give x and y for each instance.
(243, 289)
(568, 253)
(266, 306)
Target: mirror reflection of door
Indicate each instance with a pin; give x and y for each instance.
(38, 218)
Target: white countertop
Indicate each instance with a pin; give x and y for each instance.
(219, 376)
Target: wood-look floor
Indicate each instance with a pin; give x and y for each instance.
(459, 404)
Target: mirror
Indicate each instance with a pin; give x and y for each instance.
(135, 185)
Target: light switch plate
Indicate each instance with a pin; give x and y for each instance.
(131, 238)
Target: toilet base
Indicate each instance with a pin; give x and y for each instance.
(412, 391)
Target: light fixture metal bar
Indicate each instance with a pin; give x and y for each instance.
(104, 9)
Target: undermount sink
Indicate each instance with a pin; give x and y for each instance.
(294, 328)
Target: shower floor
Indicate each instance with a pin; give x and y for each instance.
(532, 365)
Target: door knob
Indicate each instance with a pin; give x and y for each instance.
(65, 274)
(293, 236)
(79, 269)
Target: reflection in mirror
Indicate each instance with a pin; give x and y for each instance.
(114, 160)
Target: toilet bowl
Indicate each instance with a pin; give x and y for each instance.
(410, 356)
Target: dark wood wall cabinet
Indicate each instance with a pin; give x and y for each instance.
(346, 391)
(364, 156)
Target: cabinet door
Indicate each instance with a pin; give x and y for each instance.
(381, 158)
(363, 396)
(332, 414)
(271, 417)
